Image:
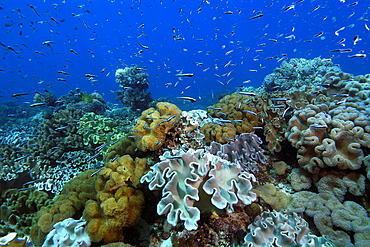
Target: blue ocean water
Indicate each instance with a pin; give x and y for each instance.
(235, 43)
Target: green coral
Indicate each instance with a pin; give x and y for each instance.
(19, 208)
(97, 129)
(86, 97)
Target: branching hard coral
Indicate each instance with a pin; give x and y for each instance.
(71, 164)
(282, 229)
(186, 178)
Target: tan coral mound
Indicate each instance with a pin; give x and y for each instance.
(329, 138)
(118, 203)
(152, 126)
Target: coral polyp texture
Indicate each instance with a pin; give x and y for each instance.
(187, 177)
(282, 229)
(153, 125)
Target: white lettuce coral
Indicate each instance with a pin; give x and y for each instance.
(282, 229)
(185, 176)
(69, 232)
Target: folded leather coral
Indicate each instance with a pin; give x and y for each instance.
(329, 137)
(282, 229)
(69, 232)
(187, 177)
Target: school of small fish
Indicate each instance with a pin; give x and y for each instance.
(188, 49)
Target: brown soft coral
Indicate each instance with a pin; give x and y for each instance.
(239, 113)
(151, 128)
(119, 202)
(329, 138)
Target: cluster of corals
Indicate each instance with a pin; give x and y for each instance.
(85, 102)
(329, 137)
(239, 113)
(68, 204)
(297, 74)
(282, 229)
(108, 200)
(134, 88)
(187, 177)
(332, 215)
(153, 125)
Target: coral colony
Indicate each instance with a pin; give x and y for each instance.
(285, 164)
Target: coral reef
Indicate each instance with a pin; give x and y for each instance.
(153, 125)
(69, 232)
(282, 229)
(185, 177)
(299, 144)
(134, 88)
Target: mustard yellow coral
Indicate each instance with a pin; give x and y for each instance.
(118, 202)
(152, 126)
(67, 204)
